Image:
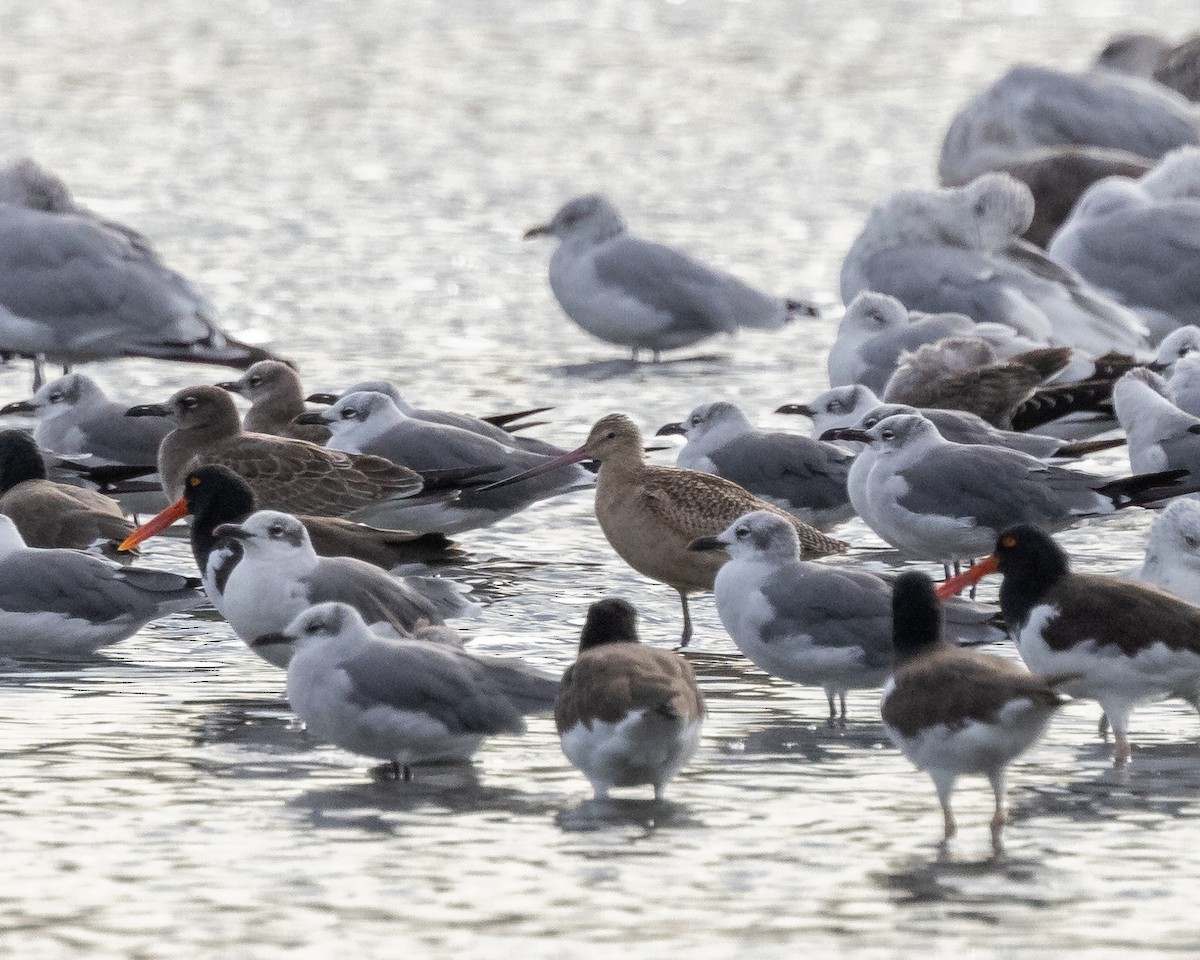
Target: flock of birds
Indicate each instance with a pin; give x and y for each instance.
(972, 368)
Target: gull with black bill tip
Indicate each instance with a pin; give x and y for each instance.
(805, 477)
(273, 574)
(276, 399)
(371, 423)
(401, 701)
(937, 500)
(650, 514)
(627, 714)
(953, 711)
(644, 295)
(1125, 643)
(814, 623)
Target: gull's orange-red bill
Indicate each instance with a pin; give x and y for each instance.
(156, 524)
(968, 578)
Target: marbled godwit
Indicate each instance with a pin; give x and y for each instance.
(627, 714)
(651, 514)
(953, 711)
(403, 701)
(276, 399)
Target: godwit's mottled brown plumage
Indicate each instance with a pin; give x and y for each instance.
(289, 475)
(650, 514)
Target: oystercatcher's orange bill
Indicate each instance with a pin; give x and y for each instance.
(968, 578)
(156, 524)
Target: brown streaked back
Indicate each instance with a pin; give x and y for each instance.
(608, 682)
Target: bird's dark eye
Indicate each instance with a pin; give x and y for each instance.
(314, 626)
(696, 421)
(611, 435)
(878, 318)
(888, 434)
(55, 397)
(254, 381)
(833, 406)
(1191, 541)
(276, 531)
(742, 533)
(980, 207)
(1183, 352)
(349, 413)
(870, 422)
(189, 402)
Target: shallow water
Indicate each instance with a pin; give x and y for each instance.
(351, 182)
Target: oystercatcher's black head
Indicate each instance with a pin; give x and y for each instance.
(916, 616)
(611, 620)
(20, 459)
(1031, 563)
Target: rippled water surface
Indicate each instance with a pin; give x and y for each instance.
(350, 182)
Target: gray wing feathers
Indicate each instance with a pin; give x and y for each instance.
(695, 294)
(802, 471)
(839, 608)
(448, 685)
(382, 598)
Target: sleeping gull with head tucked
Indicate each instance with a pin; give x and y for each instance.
(644, 295)
(958, 250)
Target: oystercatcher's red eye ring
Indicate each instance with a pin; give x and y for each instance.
(194, 481)
(1009, 542)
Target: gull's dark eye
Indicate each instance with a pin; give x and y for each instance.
(255, 380)
(349, 413)
(276, 531)
(980, 207)
(833, 406)
(56, 397)
(1183, 352)
(879, 319)
(1190, 541)
(696, 421)
(314, 626)
(869, 422)
(888, 434)
(742, 533)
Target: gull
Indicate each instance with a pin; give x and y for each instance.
(644, 295)
(1184, 384)
(964, 373)
(276, 399)
(805, 477)
(496, 428)
(371, 423)
(1172, 559)
(291, 475)
(402, 701)
(952, 711)
(855, 406)
(214, 495)
(76, 418)
(1139, 240)
(1031, 109)
(76, 287)
(1144, 55)
(50, 514)
(1175, 346)
(958, 250)
(1118, 642)
(626, 714)
(813, 623)
(937, 500)
(274, 573)
(650, 514)
(62, 604)
(1160, 435)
